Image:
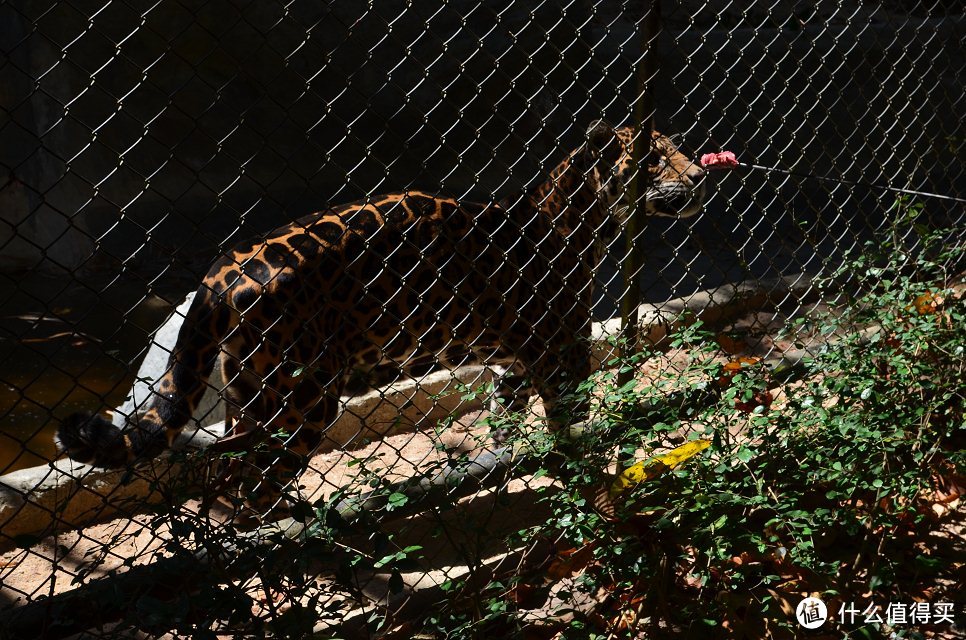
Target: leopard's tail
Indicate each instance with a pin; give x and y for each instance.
(92, 439)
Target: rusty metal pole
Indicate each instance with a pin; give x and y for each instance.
(647, 67)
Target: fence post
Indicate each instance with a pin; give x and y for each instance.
(647, 67)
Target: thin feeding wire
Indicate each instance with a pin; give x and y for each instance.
(868, 185)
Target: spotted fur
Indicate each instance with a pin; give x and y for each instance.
(400, 284)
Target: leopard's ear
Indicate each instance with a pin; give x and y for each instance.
(600, 134)
(602, 143)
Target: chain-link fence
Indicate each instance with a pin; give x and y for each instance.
(385, 374)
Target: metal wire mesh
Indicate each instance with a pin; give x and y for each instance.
(144, 141)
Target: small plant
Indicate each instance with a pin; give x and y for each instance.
(832, 485)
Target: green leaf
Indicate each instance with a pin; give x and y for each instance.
(397, 500)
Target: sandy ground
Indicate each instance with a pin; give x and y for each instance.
(448, 540)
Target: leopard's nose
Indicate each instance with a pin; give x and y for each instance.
(695, 174)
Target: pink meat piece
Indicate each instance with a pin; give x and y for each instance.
(721, 160)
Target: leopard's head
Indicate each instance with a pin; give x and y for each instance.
(674, 184)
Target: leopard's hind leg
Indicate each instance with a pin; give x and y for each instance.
(556, 374)
(287, 418)
(511, 394)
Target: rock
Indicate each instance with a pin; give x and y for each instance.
(155, 364)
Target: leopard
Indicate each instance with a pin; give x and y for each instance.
(357, 295)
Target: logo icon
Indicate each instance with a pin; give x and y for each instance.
(811, 613)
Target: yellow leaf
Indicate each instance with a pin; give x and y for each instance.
(656, 466)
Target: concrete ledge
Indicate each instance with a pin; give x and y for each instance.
(65, 495)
